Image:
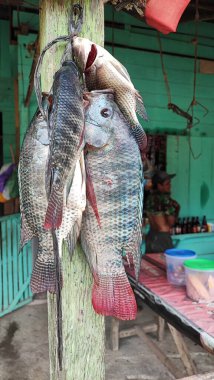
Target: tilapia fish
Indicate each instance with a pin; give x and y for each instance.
(111, 225)
(33, 205)
(33, 202)
(103, 71)
(66, 125)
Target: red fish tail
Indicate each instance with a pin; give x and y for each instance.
(44, 276)
(114, 296)
(53, 217)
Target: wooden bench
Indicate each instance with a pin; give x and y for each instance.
(117, 334)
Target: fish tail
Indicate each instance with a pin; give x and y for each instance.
(43, 276)
(53, 217)
(114, 296)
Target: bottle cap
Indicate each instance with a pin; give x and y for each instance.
(180, 252)
(199, 264)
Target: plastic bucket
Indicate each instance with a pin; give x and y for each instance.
(174, 264)
(199, 276)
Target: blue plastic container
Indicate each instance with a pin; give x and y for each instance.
(174, 264)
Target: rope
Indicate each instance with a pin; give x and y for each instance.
(164, 71)
(75, 28)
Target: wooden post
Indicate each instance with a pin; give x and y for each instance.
(83, 330)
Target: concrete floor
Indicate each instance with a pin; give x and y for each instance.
(24, 350)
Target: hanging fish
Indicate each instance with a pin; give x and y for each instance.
(111, 226)
(33, 202)
(67, 122)
(103, 71)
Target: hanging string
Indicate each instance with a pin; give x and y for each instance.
(172, 106)
(194, 101)
(163, 70)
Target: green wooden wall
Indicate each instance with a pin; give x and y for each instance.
(189, 152)
(136, 46)
(25, 58)
(8, 66)
(192, 159)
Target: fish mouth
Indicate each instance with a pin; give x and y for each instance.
(95, 93)
(92, 148)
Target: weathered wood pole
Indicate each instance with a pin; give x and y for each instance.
(83, 330)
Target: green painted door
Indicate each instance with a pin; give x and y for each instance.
(15, 266)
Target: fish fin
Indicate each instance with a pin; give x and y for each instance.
(140, 137)
(91, 196)
(26, 233)
(113, 296)
(53, 217)
(133, 248)
(135, 260)
(43, 276)
(120, 69)
(141, 110)
(91, 57)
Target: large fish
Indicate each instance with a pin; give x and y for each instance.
(67, 122)
(111, 226)
(103, 71)
(33, 202)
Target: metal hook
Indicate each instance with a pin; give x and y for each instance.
(76, 20)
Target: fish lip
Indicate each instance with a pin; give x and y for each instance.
(93, 94)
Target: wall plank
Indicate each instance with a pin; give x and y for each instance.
(192, 159)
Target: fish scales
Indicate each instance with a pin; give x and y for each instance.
(73, 208)
(33, 202)
(115, 170)
(103, 71)
(67, 122)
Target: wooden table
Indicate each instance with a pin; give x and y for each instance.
(196, 320)
(183, 316)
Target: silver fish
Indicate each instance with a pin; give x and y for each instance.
(67, 123)
(111, 226)
(33, 205)
(103, 71)
(33, 202)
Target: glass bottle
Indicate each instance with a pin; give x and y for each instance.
(198, 226)
(204, 226)
(194, 226)
(184, 226)
(189, 226)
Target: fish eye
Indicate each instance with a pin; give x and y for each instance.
(105, 112)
